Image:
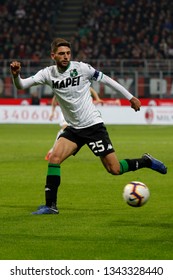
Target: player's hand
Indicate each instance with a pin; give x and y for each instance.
(135, 104)
(51, 116)
(99, 101)
(15, 67)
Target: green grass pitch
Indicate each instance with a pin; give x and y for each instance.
(94, 222)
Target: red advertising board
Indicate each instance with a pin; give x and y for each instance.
(107, 101)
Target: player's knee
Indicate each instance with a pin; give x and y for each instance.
(114, 170)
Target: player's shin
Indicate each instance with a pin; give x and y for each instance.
(52, 184)
(127, 165)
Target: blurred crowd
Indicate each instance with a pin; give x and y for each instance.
(126, 29)
(107, 29)
(27, 28)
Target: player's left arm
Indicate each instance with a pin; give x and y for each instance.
(96, 75)
(135, 102)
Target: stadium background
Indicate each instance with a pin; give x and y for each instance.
(117, 37)
(136, 48)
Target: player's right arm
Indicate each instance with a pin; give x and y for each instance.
(15, 68)
(20, 83)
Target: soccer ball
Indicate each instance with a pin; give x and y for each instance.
(136, 194)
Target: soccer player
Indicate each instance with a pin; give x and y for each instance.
(62, 121)
(70, 82)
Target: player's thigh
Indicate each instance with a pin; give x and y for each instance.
(63, 149)
(111, 163)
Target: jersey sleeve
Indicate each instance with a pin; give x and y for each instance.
(99, 76)
(41, 76)
(116, 86)
(91, 72)
(37, 79)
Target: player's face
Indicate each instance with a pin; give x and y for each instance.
(62, 56)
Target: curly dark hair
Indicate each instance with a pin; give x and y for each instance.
(58, 42)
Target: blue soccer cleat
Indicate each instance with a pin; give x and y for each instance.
(156, 164)
(43, 209)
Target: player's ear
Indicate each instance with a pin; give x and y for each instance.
(52, 55)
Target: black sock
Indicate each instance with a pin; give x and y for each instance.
(138, 163)
(52, 184)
